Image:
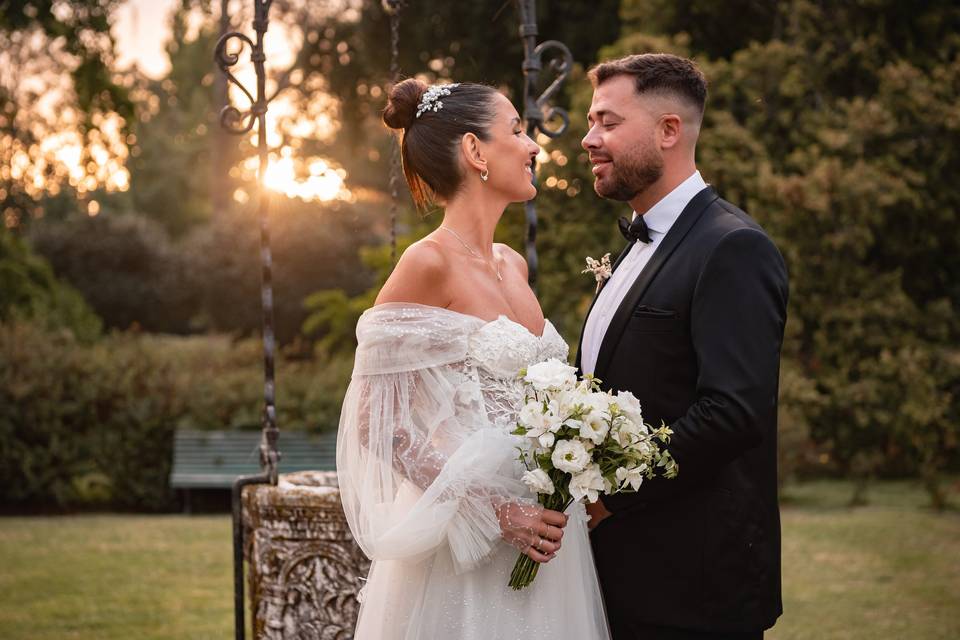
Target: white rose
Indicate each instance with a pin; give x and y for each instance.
(632, 477)
(587, 484)
(551, 374)
(539, 481)
(570, 456)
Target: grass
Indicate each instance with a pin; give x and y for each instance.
(113, 577)
(890, 569)
(887, 570)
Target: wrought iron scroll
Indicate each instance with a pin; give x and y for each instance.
(536, 110)
(239, 122)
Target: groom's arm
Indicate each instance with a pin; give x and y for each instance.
(737, 318)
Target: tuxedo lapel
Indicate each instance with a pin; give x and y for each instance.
(616, 263)
(688, 217)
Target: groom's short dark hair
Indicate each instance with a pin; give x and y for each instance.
(657, 73)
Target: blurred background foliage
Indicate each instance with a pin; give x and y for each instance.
(130, 266)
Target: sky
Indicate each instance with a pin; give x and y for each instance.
(141, 28)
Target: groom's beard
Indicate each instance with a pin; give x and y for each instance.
(631, 174)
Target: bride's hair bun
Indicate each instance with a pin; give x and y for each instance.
(402, 102)
(429, 144)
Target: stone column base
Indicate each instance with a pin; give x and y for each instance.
(304, 567)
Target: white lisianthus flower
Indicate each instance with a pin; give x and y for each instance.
(538, 481)
(583, 387)
(628, 432)
(642, 447)
(632, 477)
(594, 428)
(630, 407)
(547, 439)
(595, 424)
(531, 413)
(587, 484)
(598, 403)
(570, 456)
(536, 422)
(551, 374)
(563, 402)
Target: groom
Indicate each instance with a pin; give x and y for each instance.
(691, 322)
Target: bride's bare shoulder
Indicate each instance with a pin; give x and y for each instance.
(512, 258)
(420, 276)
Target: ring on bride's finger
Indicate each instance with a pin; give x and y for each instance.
(539, 544)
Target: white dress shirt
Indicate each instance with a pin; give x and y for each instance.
(659, 219)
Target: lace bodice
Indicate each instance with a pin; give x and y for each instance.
(497, 351)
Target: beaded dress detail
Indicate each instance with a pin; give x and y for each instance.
(499, 350)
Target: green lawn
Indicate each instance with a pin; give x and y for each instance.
(888, 570)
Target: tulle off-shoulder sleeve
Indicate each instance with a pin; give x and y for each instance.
(418, 462)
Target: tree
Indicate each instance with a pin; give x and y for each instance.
(833, 125)
(62, 115)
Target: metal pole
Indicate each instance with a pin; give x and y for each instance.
(533, 107)
(393, 9)
(237, 122)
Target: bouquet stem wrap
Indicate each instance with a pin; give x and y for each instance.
(525, 569)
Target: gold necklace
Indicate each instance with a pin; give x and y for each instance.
(495, 267)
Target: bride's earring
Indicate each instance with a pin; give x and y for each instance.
(484, 175)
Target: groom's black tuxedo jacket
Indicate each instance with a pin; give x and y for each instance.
(697, 339)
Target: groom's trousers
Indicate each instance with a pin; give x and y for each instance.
(649, 632)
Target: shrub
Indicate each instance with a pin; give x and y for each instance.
(85, 422)
(29, 290)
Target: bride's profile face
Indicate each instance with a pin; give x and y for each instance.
(510, 153)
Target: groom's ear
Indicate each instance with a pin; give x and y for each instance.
(669, 130)
(471, 152)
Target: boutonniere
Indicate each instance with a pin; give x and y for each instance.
(600, 269)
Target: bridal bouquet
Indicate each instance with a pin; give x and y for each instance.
(580, 442)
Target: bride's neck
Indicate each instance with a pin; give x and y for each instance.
(474, 221)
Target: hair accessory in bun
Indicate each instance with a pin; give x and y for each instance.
(431, 97)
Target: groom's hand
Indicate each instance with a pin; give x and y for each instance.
(597, 512)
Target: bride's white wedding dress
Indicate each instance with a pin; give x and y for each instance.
(423, 454)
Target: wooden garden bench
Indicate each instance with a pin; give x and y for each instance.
(213, 459)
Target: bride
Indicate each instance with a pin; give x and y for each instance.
(428, 472)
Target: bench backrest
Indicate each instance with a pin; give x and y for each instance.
(213, 459)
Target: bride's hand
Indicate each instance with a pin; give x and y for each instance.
(533, 530)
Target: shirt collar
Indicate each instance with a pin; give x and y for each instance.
(661, 216)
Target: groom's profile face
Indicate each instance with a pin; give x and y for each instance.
(621, 141)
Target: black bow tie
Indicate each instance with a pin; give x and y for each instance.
(634, 231)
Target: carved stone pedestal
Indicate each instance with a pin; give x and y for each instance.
(304, 568)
